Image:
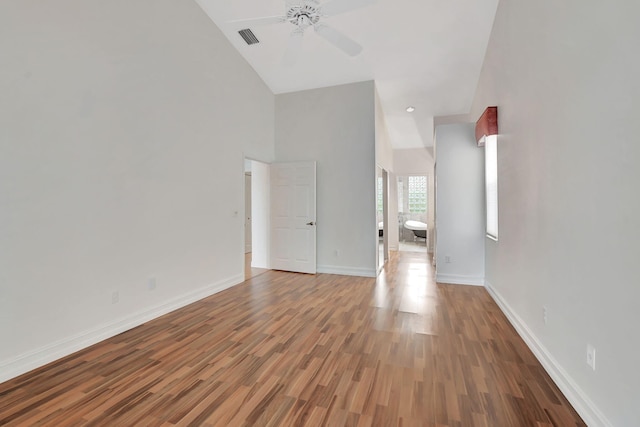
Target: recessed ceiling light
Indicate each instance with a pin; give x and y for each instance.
(410, 109)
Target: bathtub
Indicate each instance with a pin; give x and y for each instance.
(419, 228)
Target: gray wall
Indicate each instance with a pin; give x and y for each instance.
(460, 219)
(123, 127)
(335, 126)
(564, 76)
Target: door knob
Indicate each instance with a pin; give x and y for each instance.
(311, 223)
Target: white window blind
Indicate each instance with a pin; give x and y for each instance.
(491, 183)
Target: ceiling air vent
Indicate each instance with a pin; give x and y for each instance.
(248, 36)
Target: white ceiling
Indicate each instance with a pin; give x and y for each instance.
(424, 53)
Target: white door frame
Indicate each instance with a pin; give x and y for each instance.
(247, 212)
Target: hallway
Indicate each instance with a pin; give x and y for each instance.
(292, 349)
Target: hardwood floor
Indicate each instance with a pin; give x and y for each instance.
(287, 349)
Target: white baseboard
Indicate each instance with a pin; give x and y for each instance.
(574, 394)
(346, 271)
(460, 279)
(34, 359)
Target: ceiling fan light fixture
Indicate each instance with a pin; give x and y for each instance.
(410, 109)
(304, 14)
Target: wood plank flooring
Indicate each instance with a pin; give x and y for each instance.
(285, 349)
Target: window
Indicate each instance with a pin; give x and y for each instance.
(417, 194)
(412, 194)
(491, 183)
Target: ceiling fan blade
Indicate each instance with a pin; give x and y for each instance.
(338, 39)
(334, 7)
(294, 46)
(256, 22)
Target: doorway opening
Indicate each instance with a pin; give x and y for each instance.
(256, 218)
(412, 213)
(280, 217)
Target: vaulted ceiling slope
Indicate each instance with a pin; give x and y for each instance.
(421, 53)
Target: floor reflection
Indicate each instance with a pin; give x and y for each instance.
(407, 303)
(417, 246)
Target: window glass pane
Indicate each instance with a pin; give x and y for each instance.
(491, 182)
(417, 194)
(400, 195)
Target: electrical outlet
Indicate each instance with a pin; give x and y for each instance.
(447, 259)
(151, 283)
(545, 314)
(115, 297)
(591, 356)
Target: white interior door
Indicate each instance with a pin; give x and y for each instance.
(293, 217)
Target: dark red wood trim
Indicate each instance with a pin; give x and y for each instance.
(487, 124)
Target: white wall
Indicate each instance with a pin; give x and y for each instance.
(564, 76)
(417, 161)
(260, 214)
(335, 126)
(384, 150)
(384, 159)
(123, 126)
(460, 219)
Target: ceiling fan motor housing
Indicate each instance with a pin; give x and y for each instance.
(304, 13)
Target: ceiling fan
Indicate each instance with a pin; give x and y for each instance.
(311, 13)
